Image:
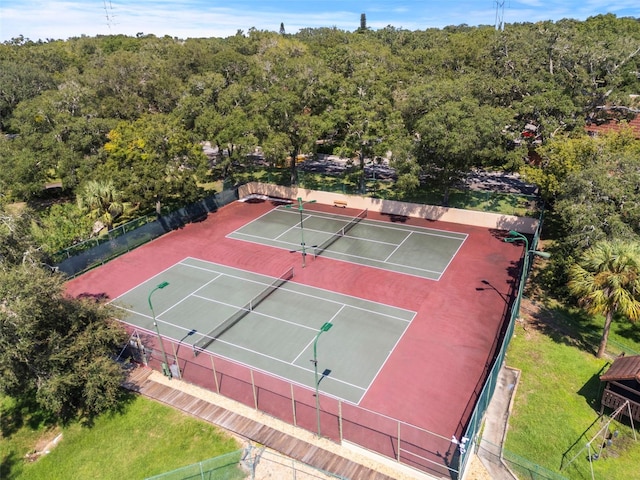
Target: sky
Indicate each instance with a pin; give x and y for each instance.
(62, 19)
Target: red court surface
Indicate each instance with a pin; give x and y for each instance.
(438, 368)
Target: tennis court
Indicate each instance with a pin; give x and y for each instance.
(271, 324)
(416, 378)
(418, 251)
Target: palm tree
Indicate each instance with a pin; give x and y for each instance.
(101, 200)
(607, 281)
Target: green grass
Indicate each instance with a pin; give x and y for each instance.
(558, 396)
(145, 439)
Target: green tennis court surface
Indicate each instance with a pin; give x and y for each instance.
(422, 252)
(276, 333)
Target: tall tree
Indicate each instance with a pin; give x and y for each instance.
(56, 350)
(456, 136)
(607, 282)
(154, 160)
(100, 200)
(293, 94)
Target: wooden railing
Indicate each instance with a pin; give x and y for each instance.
(615, 400)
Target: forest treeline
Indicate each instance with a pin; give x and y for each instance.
(119, 121)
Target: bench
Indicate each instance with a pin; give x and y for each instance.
(340, 203)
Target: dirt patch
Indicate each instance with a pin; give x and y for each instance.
(536, 316)
(47, 442)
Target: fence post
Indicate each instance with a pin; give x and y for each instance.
(293, 407)
(215, 375)
(399, 442)
(340, 419)
(253, 389)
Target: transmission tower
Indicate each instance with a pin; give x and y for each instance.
(500, 14)
(108, 11)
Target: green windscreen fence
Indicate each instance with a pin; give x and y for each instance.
(96, 251)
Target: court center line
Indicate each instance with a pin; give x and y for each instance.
(279, 319)
(294, 226)
(225, 274)
(191, 294)
(397, 247)
(368, 240)
(159, 320)
(309, 344)
(386, 225)
(382, 261)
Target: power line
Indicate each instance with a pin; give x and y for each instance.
(108, 11)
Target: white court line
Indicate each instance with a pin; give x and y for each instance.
(387, 357)
(147, 280)
(313, 340)
(386, 260)
(283, 288)
(279, 319)
(315, 288)
(375, 224)
(179, 327)
(279, 360)
(384, 224)
(342, 305)
(292, 227)
(225, 274)
(382, 261)
(191, 294)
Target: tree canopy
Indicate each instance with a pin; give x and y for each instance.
(607, 281)
(55, 350)
(436, 102)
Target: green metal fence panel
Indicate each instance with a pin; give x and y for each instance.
(526, 469)
(223, 467)
(96, 251)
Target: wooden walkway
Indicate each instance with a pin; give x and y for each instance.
(139, 381)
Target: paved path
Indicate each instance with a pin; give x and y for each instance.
(495, 425)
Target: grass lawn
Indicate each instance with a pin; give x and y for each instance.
(145, 439)
(558, 396)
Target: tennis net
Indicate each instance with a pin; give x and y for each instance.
(341, 233)
(214, 334)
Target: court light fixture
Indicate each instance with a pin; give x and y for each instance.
(324, 328)
(301, 204)
(165, 363)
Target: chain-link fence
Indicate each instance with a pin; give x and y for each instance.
(223, 467)
(255, 463)
(96, 251)
(475, 423)
(521, 468)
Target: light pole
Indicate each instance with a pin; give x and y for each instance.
(165, 364)
(324, 328)
(301, 209)
(515, 237)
